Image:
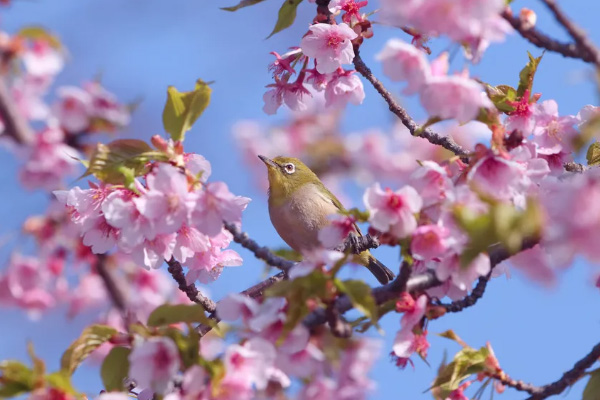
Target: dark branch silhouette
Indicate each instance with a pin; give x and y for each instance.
(191, 291)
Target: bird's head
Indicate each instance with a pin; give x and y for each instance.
(286, 175)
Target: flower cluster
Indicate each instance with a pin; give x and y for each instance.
(331, 47)
(442, 95)
(474, 24)
(53, 152)
(173, 214)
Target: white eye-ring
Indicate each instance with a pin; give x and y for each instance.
(289, 168)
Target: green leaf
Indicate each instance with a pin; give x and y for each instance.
(501, 96)
(119, 161)
(297, 292)
(527, 74)
(593, 154)
(242, 4)
(15, 378)
(39, 33)
(91, 338)
(184, 108)
(61, 381)
(188, 345)
(592, 389)
(450, 334)
(115, 368)
(503, 223)
(360, 295)
(168, 314)
(287, 15)
(466, 362)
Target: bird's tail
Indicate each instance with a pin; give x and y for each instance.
(380, 271)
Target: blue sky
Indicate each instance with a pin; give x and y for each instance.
(142, 46)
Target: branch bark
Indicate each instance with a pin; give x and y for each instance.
(191, 291)
(543, 41)
(578, 35)
(113, 290)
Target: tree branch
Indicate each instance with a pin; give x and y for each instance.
(15, 125)
(191, 291)
(567, 379)
(260, 252)
(541, 40)
(434, 138)
(576, 32)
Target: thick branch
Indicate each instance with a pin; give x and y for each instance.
(191, 291)
(544, 41)
(15, 125)
(578, 35)
(414, 129)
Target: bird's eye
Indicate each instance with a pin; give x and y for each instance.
(289, 168)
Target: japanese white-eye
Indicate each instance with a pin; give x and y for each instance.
(300, 205)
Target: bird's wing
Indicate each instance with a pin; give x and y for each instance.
(338, 204)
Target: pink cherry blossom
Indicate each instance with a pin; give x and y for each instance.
(189, 241)
(350, 7)
(121, 213)
(406, 343)
(432, 183)
(553, 134)
(344, 88)
(336, 232)
(152, 253)
(313, 260)
(207, 266)
(404, 62)
(48, 161)
(497, 176)
(391, 211)
(198, 166)
(329, 45)
(27, 93)
(113, 396)
(85, 206)
(154, 363)
(105, 105)
(167, 203)
(414, 310)
(294, 95)
(101, 237)
(252, 363)
(74, 109)
(26, 284)
(90, 293)
(522, 118)
(463, 276)
(215, 205)
(453, 97)
(42, 59)
(535, 264)
(430, 241)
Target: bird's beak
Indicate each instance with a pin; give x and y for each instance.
(268, 162)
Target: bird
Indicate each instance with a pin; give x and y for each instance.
(300, 206)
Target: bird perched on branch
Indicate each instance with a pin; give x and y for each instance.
(299, 207)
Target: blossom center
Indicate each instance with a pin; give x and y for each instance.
(334, 41)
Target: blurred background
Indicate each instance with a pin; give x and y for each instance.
(140, 47)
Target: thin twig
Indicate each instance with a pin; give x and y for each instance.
(414, 129)
(497, 255)
(260, 252)
(569, 377)
(15, 125)
(191, 291)
(543, 41)
(255, 292)
(578, 35)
